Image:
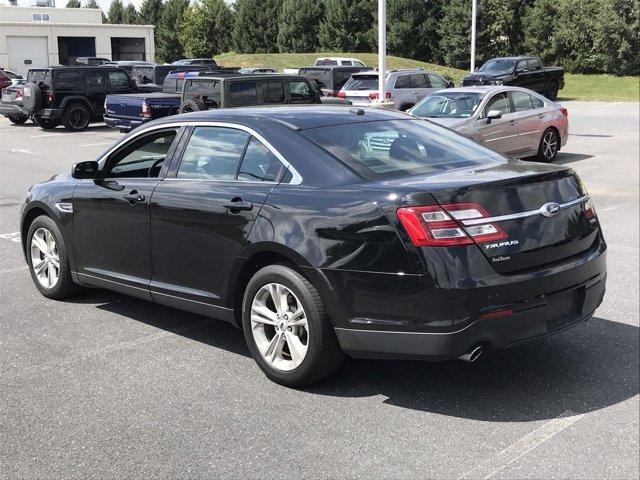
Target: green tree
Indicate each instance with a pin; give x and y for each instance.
(168, 45)
(298, 23)
(539, 25)
(412, 28)
(348, 26)
(91, 4)
(116, 12)
(616, 37)
(256, 26)
(130, 15)
(73, 4)
(150, 12)
(206, 28)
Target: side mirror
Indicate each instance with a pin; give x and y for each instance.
(450, 84)
(493, 115)
(85, 170)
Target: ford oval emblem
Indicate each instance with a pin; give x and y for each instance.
(550, 209)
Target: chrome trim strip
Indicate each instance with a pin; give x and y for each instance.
(296, 177)
(64, 207)
(514, 216)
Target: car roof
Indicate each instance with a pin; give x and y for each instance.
(248, 76)
(295, 117)
(487, 89)
(333, 67)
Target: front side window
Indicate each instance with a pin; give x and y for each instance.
(259, 164)
(143, 158)
(300, 92)
(418, 81)
(213, 153)
(436, 81)
(449, 105)
(521, 101)
(118, 79)
(498, 102)
(273, 92)
(389, 148)
(522, 66)
(243, 94)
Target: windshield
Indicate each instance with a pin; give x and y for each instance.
(362, 82)
(390, 148)
(448, 105)
(498, 66)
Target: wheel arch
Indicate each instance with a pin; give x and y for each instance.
(34, 211)
(76, 99)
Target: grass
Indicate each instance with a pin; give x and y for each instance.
(577, 87)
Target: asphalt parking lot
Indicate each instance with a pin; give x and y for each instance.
(109, 386)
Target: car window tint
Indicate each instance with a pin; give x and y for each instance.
(533, 64)
(273, 92)
(418, 81)
(346, 63)
(11, 74)
(118, 79)
(537, 103)
(243, 93)
(522, 66)
(300, 92)
(403, 82)
(209, 91)
(259, 164)
(436, 81)
(95, 80)
(358, 64)
(521, 101)
(340, 78)
(36, 76)
(213, 153)
(143, 158)
(68, 79)
(498, 102)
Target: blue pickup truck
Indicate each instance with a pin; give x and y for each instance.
(128, 111)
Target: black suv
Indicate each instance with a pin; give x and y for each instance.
(73, 96)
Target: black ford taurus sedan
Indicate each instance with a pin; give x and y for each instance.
(322, 231)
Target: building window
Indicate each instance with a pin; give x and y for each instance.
(40, 17)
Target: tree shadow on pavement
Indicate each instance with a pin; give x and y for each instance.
(592, 366)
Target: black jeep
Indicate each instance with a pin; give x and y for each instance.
(73, 96)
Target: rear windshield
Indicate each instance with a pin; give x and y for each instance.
(392, 148)
(362, 82)
(36, 76)
(209, 91)
(143, 74)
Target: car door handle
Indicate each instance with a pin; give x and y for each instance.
(238, 205)
(133, 197)
(542, 115)
(512, 122)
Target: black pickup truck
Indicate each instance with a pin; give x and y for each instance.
(526, 72)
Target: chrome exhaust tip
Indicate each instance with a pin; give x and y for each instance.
(473, 354)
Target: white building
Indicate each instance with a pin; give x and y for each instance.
(41, 36)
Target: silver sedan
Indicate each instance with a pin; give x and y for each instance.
(511, 120)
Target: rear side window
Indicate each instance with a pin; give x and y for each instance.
(67, 79)
(521, 101)
(346, 63)
(273, 92)
(402, 82)
(118, 79)
(537, 103)
(300, 92)
(242, 94)
(436, 81)
(213, 153)
(207, 90)
(259, 164)
(95, 80)
(498, 102)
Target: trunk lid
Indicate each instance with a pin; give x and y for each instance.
(130, 105)
(540, 208)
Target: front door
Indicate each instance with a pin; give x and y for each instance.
(111, 221)
(202, 213)
(498, 134)
(96, 86)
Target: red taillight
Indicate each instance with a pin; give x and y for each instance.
(375, 95)
(146, 111)
(564, 111)
(51, 97)
(501, 313)
(589, 209)
(434, 226)
(342, 95)
(19, 92)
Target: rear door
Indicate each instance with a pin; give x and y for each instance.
(530, 121)
(499, 134)
(420, 86)
(203, 212)
(96, 86)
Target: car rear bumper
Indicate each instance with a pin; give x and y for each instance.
(11, 110)
(50, 113)
(531, 319)
(122, 124)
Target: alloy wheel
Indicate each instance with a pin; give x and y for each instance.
(45, 259)
(78, 118)
(549, 145)
(279, 326)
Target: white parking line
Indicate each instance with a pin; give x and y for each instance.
(523, 446)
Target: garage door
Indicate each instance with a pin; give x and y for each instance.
(26, 53)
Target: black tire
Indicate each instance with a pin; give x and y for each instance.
(64, 287)
(323, 356)
(194, 105)
(18, 120)
(549, 146)
(552, 92)
(45, 123)
(76, 117)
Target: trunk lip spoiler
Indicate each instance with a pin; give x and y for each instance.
(530, 213)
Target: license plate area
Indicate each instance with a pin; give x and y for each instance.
(563, 308)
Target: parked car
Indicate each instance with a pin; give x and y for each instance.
(209, 62)
(288, 224)
(91, 61)
(11, 105)
(149, 78)
(257, 70)
(342, 61)
(510, 120)
(128, 111)
(526, 72)
(403, 87)
(5, 81)
(330, 79)
(73, 96)
(13, 76)
(225, 91)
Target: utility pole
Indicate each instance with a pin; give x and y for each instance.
(473, 35)
(382, 48)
